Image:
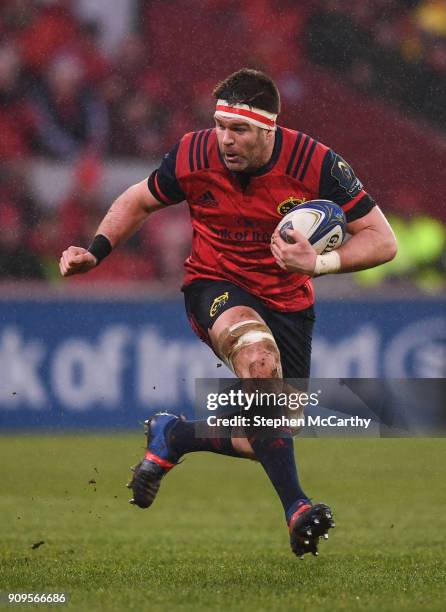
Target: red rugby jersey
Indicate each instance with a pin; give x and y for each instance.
(234, 214)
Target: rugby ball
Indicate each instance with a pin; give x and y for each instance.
(322, 222)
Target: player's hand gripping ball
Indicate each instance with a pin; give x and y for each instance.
(322, 222)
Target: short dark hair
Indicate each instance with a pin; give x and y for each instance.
(252, 87)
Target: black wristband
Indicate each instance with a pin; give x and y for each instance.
(100, 247)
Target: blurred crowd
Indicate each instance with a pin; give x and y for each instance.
(66, 98)
(390, 48)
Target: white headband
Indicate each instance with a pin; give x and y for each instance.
(256, 116)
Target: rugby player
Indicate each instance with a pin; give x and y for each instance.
(248, 294)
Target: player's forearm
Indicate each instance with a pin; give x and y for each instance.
(367, 249)
(125, 216)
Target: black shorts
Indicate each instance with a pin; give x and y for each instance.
(206, 299)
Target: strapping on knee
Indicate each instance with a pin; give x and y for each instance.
(246, 333)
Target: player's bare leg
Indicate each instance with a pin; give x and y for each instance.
(252, 359)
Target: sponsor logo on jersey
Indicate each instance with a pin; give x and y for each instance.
(218, 303)
(285, 206)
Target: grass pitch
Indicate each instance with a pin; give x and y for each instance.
(215, 538)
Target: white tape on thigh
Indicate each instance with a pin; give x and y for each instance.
(234, 327)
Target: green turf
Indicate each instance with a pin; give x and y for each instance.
(215, 538)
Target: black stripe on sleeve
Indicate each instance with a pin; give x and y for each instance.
(153, 189)
(307, 161)
(205, 149)
(293, 152)
(361, 208)
(301, 156)
(191, 152)
(198, 150)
